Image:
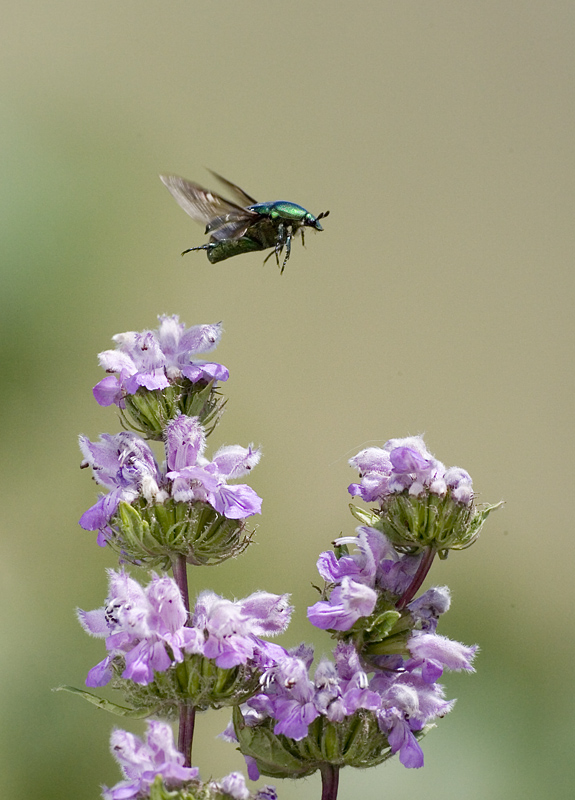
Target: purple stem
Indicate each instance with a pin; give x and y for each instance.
(329, 781)
(187, 713)
(186, 732)
(418, 578)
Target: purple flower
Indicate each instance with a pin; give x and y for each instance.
(294, 699)
(139, 624)
(196, 478)
(377, 566)
(433, 654)
(148, 628)
(362, 567)
(406, 465)
(374, 467)
(427, 608)
(342, 688)
(267, 793)
(233, 784)
(459, 481)
(153, 359)
(407, 705)
(142, 761)
(124, 464)
(348, 602)
(288, 698)
(231, 630)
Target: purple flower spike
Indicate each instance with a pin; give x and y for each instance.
(125, 464)
(154, 358)
(142, 762)
(196, 478)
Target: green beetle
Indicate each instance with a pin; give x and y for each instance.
(236, 229)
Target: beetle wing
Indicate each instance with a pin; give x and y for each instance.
(204, 206)
(229, 228)
(241, 196)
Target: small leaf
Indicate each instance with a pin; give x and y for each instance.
(107, 705)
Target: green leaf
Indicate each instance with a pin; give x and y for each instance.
(107, 705)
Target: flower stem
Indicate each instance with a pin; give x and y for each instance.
(187, 713)
(418, 578)
(186, 732)
(329, 781)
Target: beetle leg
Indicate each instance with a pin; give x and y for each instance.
(302, 238)
(202, 247)
(279, 242)
(288, 249)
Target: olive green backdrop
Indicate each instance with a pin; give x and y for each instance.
(438, 301)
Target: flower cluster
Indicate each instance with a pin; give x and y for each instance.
(155, 359)
(358, 579)
(155, 763)
(125, 464)
(381, 715)
(398, 649)
(376, 696)
(405, 465)
(421, 504)
(147, 630)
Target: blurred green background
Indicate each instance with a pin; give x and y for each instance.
(438, 301)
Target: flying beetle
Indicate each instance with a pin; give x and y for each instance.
(244, 226)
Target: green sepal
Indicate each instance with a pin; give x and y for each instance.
(340, 550)
(148, 411)
(370, 518)
(383, 623)
(106, 705)
(270, 750)
(385, 627)
(414, 524)
(481, 515)
(356, 741)
(152, 535)
(196, 681)
(194, 790)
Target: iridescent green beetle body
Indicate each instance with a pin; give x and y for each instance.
(235, 229)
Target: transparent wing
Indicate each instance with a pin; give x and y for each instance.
(241, 196)
(207, 207)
